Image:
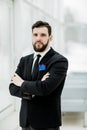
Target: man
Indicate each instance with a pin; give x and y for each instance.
(40, 88)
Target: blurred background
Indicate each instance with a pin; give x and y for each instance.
(68, 19)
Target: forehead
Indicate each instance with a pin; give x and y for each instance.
(40, 30)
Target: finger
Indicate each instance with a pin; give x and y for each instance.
(12, 78)
(47, 76)
(15, 74)
(48, 73)
(11, 82)
(44, 78)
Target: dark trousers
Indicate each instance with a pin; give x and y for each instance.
(30, 128)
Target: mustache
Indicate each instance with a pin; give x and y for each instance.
(38, 41)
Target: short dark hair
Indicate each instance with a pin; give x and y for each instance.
(42, 24)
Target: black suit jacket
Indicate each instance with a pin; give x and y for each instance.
(44, 109)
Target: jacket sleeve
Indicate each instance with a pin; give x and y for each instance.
(15, 90)
(57, 72)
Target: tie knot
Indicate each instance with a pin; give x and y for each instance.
(38, 56)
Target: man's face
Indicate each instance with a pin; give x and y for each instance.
(40, 39)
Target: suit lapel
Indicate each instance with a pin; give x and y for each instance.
(45, 62)
(48, 55)
(29, 67)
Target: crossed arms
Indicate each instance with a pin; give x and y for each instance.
(50, 81)
(17, 80)
(16, 83)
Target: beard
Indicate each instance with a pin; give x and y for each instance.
(37, 48)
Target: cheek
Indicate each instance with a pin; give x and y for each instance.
(33, 40)
(45, 41)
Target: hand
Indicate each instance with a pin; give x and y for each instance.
(45, 76)
(17, 80)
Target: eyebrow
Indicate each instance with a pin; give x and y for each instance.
(43, 34)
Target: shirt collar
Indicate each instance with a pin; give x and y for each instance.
(41, 53)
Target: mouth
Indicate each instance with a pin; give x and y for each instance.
(38, 43)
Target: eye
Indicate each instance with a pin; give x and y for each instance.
(35, 34)
(43, 34)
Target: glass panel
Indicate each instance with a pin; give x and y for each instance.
(75, 31)
(4, 55)
(30, 14)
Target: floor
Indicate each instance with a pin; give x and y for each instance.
(71, 121)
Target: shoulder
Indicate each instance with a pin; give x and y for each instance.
(56, 55)
(58, 60)
(27, 57)
(59, 57)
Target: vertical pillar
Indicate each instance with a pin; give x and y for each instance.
(85, 119)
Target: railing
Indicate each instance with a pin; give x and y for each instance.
(74, 96)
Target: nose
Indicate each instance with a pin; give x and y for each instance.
(38, 37)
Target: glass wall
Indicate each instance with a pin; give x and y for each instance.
(5, 53)
(26, 13)
(75, 31)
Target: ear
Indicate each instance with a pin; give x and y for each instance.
(50, 37)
